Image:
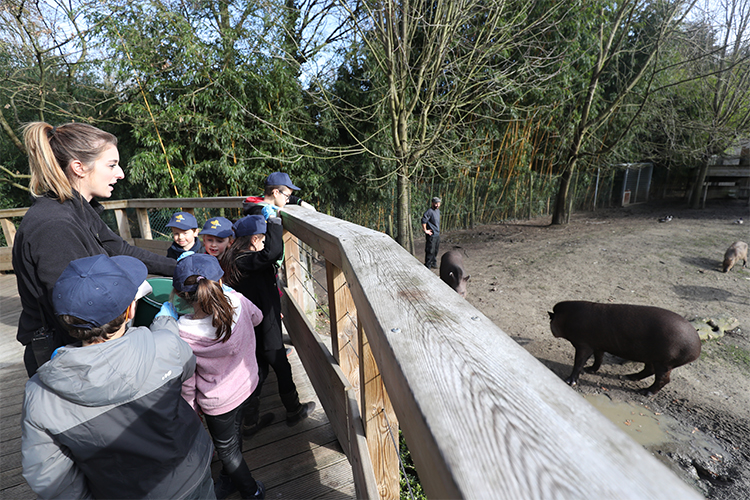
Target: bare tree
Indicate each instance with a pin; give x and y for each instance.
(44, 49)
(629, 42)
(441, 64)
(726, 87)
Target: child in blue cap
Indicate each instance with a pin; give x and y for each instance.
(277, 193)
(221, 333)
(249, 266)
(217, 235)
(184, 233)
(105, 418)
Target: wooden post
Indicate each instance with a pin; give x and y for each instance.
(379, 420)
(123, 225)
(144, 223)
(9, 230)
(344, 343)
(292, 266)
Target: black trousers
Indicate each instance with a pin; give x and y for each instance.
(431, 246)
(278, 361)
(226, 432)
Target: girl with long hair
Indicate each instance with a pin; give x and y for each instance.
(220, 332)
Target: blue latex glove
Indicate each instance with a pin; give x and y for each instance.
(167, 309)
(184, 254)
(270, 211)
(226, 288)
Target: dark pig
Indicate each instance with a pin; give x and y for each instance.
(736, 252)
(659, 338)
(452, 271)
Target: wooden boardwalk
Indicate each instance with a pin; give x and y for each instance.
(302, 462)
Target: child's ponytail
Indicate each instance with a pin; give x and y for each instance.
(210, 297)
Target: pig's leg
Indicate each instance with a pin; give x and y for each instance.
(647, 371)
(662, 379)
(598, 356)
(583, 353)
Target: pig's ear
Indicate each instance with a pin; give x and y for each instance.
(551, 315)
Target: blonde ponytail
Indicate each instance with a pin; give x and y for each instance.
(52, 149)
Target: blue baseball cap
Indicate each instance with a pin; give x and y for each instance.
(183, 220)
(198, 264)
(280, 179)
(219, 227)
(98, 289)
(250, 225)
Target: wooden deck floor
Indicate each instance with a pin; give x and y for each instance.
(302, 462)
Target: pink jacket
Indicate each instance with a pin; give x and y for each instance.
(226, 373)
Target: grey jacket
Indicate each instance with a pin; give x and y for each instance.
(108, 420)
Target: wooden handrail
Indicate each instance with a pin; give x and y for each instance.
(481, 416)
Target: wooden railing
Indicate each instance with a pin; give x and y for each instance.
(482, 418)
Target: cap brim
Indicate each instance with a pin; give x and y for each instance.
(143, 290)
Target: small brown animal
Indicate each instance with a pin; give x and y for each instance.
(657, 337)
(735, 253)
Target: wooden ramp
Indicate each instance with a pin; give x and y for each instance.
(301, 462)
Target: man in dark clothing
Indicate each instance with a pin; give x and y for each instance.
(431, 228)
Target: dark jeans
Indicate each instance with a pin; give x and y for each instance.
(226, 431)
(278, 361)
(431, 246)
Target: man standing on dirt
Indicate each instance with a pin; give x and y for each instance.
(431, 228)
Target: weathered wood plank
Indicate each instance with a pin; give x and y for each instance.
(9, 230)
(379, 422)
(123, 225)
(157, 246)
(326, 376)
(365, 482)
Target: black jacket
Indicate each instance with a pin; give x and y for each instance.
(50, 236)
(258, 285)
(175, 250)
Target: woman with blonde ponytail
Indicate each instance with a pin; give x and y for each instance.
(225, 383)
(71, 165)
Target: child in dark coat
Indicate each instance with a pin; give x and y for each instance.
(250, 269)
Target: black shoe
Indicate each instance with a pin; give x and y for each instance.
(261, 493)
(303, 411)
(251, 430)
(223, 487)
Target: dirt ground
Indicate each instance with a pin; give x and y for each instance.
(699, 424)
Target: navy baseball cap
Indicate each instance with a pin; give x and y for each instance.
(219, 227)
(249, 225)
(98, 289)
(183, 220)
(198, 264)
(280, 179)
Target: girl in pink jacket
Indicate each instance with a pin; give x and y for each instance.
(221, 333)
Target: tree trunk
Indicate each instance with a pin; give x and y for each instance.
(405, 236)
(697, 196)
(561, 215)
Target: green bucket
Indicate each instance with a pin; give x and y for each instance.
(149, 305)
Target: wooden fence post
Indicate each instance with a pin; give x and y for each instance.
(9, 230)
(144, 223)
(380, 423)
(123, 225)
(344, 343)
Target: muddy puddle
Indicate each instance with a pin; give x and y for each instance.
(690, 451)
